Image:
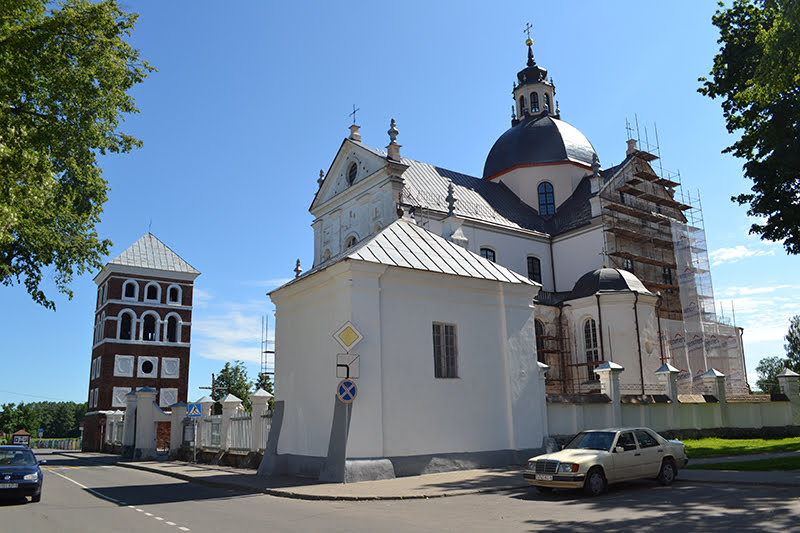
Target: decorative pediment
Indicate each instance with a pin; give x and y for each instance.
(353, 163)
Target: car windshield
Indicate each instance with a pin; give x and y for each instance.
(592, 440)
(17, 458)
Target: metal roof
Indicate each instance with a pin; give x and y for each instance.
(149, 252)
(406, 245)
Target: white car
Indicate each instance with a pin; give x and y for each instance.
(595, 458)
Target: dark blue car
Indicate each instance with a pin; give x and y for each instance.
(20, 474)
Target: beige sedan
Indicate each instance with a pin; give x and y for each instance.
(595, 458)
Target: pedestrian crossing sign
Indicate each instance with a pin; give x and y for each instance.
(195, 410)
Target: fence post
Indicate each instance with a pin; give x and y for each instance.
(668, 376)
(790, 387)
(206, 405)
(179, 412)
(259, 400)
(230, 404)
(145, 423)
(714, 383)
(129, 426)
(609, 385)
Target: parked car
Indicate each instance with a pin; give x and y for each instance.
(20, 474)
(595, 458)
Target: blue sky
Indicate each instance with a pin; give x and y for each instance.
(251, 100)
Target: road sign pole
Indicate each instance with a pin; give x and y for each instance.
(194, 438)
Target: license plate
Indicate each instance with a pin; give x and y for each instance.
(8, 485)
(544, 477)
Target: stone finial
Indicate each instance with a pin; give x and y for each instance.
(595, 165)
(513, 113)
(354, 133)
(393, 150)
(558, 108)
(631, 147)
(297, 269)
(321, 177)
(451, 200)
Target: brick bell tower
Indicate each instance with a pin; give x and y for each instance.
(142, 332)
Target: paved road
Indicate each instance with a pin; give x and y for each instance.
(80, 497)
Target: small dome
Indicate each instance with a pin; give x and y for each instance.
(538, 139)
(606, 280)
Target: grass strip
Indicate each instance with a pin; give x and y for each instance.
(781, 463)
(710, 447)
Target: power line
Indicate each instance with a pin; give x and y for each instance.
(36, 396)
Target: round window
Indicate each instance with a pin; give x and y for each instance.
(147, 367)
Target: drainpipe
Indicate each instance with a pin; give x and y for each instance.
(658, 319)
(638, 339)
(600, 327)
(552, 265)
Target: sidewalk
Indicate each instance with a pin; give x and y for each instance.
(427, 486)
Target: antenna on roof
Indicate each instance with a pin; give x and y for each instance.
(150, 226)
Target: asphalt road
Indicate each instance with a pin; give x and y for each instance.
(82, 498)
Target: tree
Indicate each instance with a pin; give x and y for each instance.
(757, 76)
(768, 370)
(65, 74)
(792, 345)
(233, 378)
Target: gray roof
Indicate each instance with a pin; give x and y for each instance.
(149, 252)
(538, 139)
(405, 244)
(606, 280)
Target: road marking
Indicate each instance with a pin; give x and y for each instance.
(113, 500)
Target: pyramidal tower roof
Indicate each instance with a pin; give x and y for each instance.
(149, 252)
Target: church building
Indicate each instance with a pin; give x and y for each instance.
(459, 305)
(142, 334)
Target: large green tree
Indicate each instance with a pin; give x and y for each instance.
(233, 379)
(768, 370)
(65, 72)
(756, 74)
(792, 345)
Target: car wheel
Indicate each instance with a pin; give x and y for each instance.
(544, 490)
(595, 483)
(667, 473)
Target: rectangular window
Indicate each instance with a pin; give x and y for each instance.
(444, 351)
(534, 269)
(488, 253)
(667, 275)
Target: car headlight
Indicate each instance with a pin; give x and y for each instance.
(531, 465)
(31, 477)
(568, 467)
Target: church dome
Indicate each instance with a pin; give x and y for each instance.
(538, 139)
(606, 280)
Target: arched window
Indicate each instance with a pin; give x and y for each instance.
(149, 328)
(522, 105)
(590, 347)
(172, 329)
(547, 201)
(130, 290)
(534, 269)
(152, 292)
(350, 242)
(534, 102)
(351, 173)
(326, 255)
(174, 294)
(547, 102)
(126, 326)
(539, 328)
(488, 253)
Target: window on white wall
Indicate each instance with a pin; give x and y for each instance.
(350, 242)
(547, 200)
(591, 347)
(534, 269)
(488, 253)
(445, 356)
(539, 328)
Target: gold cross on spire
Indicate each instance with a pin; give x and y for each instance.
(528, 28)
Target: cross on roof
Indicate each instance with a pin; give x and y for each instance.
(353, 114)
(528, 28)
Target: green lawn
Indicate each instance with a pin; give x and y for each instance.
(782, 463)
(711, 447)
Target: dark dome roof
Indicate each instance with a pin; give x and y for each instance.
(606, 279)
(538, 139)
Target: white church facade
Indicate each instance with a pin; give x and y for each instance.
(459, 305)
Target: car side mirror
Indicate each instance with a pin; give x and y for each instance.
(619, 449)
(43, 462)
(561, 447)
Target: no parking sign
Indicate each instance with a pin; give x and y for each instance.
(347, 390)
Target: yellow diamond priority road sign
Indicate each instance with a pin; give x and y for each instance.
(348, 336)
